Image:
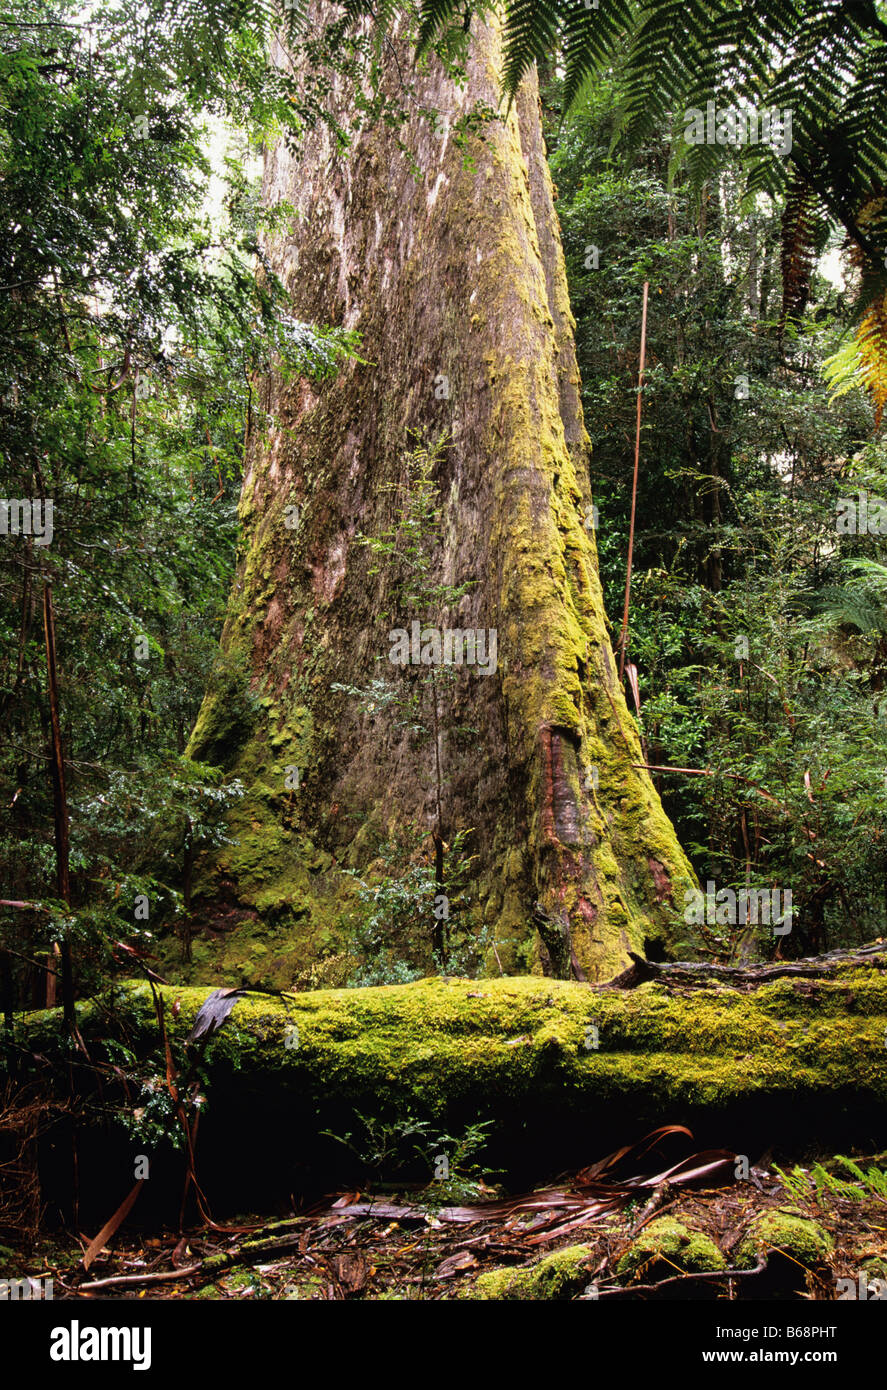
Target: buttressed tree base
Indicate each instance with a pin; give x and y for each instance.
(436, 241)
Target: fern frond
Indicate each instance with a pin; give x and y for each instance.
(532, 29)
(797, 251)
(860, 603)
(589, 35)
(434, 15)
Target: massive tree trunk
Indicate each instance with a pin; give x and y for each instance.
(444, 252)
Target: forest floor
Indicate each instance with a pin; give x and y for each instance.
(566, 1242)
(710, 1225)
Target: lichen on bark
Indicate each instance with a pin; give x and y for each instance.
(445, 255)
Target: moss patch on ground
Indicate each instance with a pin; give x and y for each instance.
(785, 1231)
(668, 1246)
(559, 1276)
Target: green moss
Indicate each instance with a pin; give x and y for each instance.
(240, 1280)
(783, 1230)
(553, 620)
(668, 1246)
(305, 1289)
(558, 1276)
(228, 714)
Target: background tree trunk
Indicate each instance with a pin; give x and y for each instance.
(445, 254)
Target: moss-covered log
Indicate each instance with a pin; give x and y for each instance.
(526, 1040)
(565, 1073)
(439, 244)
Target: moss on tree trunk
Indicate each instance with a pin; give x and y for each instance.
(445, 254)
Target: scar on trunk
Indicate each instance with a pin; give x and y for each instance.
(661, 880)
(560, 828)
(560, 813)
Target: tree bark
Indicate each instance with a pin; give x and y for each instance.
(445, 254)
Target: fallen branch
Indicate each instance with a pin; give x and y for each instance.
(698, 974)
(684, 1278)
(119, 1279)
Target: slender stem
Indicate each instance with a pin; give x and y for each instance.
(60, 805)
(634, 486)
(439, 929)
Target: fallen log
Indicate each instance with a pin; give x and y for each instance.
(798, 1054)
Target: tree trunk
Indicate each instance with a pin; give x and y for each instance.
(445, 255)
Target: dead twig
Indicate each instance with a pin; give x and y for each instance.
(708, 1276)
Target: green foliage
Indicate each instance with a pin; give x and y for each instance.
(399, 895)
(819, 1184)
(674, 63)
(826, 62)
(757, 630)
(132, 330)
(386, 1148)
(406, 549)
(153, 1120)
(872, 1180)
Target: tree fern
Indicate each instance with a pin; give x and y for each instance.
(871, 342)
(859, 602)
(532, 31)
(588, 31)
(434, 16)
(826, 62)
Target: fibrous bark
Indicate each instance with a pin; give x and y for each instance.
(444, 253)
